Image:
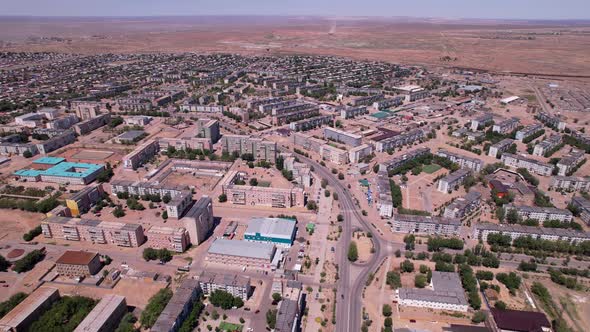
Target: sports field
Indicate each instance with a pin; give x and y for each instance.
(229, 327)
(431, 168)
(92, 155)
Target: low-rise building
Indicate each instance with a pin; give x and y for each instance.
(138, 120)
(532, 165)
(235, 284)
(429, 225)
(57, 170)
(241, 253)
(278, 231)
(463, 206)
(473, 164)
(105, 316)
(507, 320)
(445, 293)
(78, 263)
(453, 180)
(540, 214)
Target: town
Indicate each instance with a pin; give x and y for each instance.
(200, 192)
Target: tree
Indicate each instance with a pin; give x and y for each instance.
(155, 306)
(407, 266)
(165, 215)
(312, 205)
(64, 315)
(4, 264)
(164, 255)
(500, 305)
(393, 279)
(118, 212)
(27, 154)
(271, 318)
(30, 235)
(253, 182)
(127, 323)
(276, 297)
(478, 317)
(353, 252)
(340, 176)
(420, 281)
(150, 254)
(28, 262)
(166, 198)
(387, 310)
(13, 301)
(222, 198)
(225, 300)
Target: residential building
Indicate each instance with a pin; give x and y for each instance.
(357, 153)
(314, 122)
(178, 308)
(20, 318)
(428, 225)
(83, 200)
(473, 164)
(308, 142)
(341, 136)
(199, 220)
(528, 131)
(506, 126)
(388, 103)
(235, 284)
(550, 120)
(532, 165)
(87, 109)
(463, 206)
(261, 196)
(105, 316)
(130, 137)
(482, 230)
(175, 239)
(278, 231)
(19, 149)
(583, 205)
(333, 154)
(453, 180)
(242, 144)
(207, 128)
(87, 126)
(367, 100)
(547, 145)
(141, 154)
(571, 183)
(444, 293)
(93, 231)
(241, 253)
(497, 149)
(384, 200)
(56, 142)
(481, 121)
(138, 120)
(292, 113)
(352, 112)
(399, 140)
(403, 159)
(183, 143)
(78, 263)
(540, 214)
(567, 165)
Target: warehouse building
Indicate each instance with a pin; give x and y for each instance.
(428, 225)
(241, 253)
(278, 231)
(540, 214)
(78, 263)
(235, 284)
(105, 316)
(445, 293)
(20, 318)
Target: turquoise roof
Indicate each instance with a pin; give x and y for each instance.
(64, 169)
(49, 160)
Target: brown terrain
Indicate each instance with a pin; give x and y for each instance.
(552, 48)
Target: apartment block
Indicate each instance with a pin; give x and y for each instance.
(568, 163)
(367, 100)
(453, 180)
(21, 317)
(352, 112)
(583, 205)
(547, 145)
(207, 128)
(482, 230)
(506, 126)
(178, 308)
(550, 120)
(261, 196)
(292, 113)
(314, 122)
(235, 284)
(445, 292)
(181, 196)
(357, 153)
(105, 316)
(384, 201)
(497, 149)
(56, 142)
(183, 143)
(400, 140)
(334, 154)
(259, 148)
(403, 159)
(141, 154)
(473, 164)
(571, 183)
(528, 131)
(308, 142)
(388, 103)
(93, 231)
(175, 239)
(428, 225)
(199, 220)
(532, 165)
(87, 126)
(342, 136)
(540, 214)
(83, 200)
(463, 206)
(481, 121)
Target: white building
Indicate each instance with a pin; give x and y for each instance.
(444, 293)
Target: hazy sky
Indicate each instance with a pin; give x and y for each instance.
(525, 9)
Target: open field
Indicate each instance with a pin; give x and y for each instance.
(516, 46)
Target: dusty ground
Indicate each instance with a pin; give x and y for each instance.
(492, 45)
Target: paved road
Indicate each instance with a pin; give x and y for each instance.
(349, 295)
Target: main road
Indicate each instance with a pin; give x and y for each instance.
(349, 292)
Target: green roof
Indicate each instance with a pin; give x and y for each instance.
(64, 169)
(49, 160)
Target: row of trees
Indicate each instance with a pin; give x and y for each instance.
(225, 300)
(164, 255)
(29, 205)
(28, 262)
(67, 313)
(437, 243)
(155, 306)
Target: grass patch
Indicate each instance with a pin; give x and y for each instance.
(431, 168)
(230, 327)
(264, 184)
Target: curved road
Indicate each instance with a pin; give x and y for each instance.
(349, 295)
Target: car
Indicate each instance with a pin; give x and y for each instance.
(257, 311)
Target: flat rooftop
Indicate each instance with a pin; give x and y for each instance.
(72, 257)
(96, 319)
(242, 249)
(271, 227)
(27, 307)
(49, 160)
(63, 169)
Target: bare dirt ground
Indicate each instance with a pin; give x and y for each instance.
(531, 47)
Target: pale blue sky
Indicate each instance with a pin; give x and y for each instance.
(510, 9)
